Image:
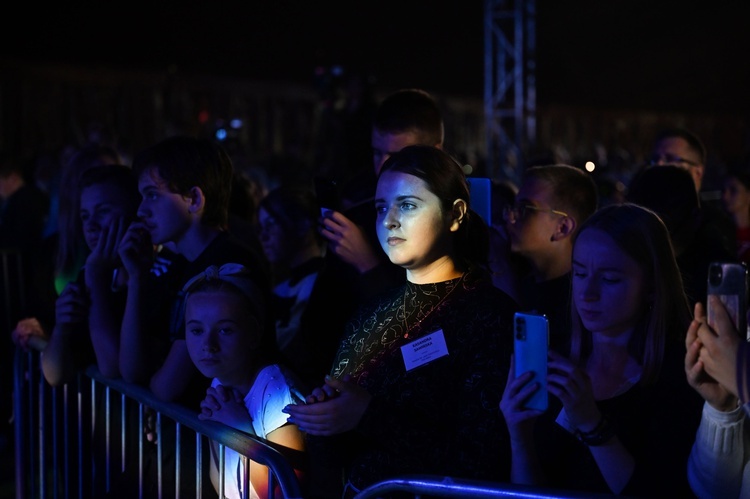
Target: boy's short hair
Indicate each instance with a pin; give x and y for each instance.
(411, 110)
(185, 162)
(573, 190)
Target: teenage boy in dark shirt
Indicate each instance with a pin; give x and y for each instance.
(186, 185)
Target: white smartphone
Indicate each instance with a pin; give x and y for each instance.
(530, 344)
(729, 280)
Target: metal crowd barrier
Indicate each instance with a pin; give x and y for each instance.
(56, 447)
(420, 486)
(60, 453)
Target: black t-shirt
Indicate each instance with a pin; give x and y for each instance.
(166, 319)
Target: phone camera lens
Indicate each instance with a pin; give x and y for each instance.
(715, 275)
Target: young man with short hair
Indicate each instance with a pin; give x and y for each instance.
(185, 185)
(551, 204)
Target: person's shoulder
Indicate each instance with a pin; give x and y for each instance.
(229, 248)
(275, 378)
(481, 292)
(228, 241)
(378, 302)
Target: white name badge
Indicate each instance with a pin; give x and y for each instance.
(423, 350)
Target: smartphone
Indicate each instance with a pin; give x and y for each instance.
(328, 194)
(729, 280)
(530, 344)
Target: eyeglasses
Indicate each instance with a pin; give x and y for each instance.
(669, 159)
(520, 212)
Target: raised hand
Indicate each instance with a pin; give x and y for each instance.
(322, 393)
(710, 361)
(25, 331)
(572, 386)
(136, 249)
(518, 418)
(72, 306)
(104, 258)
(225, 405)
(348, 241)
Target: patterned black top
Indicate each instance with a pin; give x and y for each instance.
(441, 417)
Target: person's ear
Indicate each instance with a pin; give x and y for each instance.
(197, 199)
(565, 228)
(458, 214)
(698, 172)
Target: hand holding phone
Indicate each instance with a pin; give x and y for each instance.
(328, 195)
(530, 343)
(729, 281)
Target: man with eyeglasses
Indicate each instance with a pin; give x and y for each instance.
(551, 204)
(683, 148)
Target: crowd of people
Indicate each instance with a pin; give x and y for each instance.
(374, 336)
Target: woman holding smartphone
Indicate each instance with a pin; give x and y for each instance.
(621, 416)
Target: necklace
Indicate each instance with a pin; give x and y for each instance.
(407, 328)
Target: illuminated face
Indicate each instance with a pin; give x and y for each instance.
(221, 335)
(412, 228)
(384, 144)
(609, 287)
(165, 214)
(531, 229)
(102, 205)
(677, 151)
(736, 196)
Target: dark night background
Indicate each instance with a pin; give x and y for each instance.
(643, 57)
(621, 54)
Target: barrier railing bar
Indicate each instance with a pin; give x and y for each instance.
(198, 467)
(221, 465)
(177, 462)
(140, 451)
(159, 446)
(437, 486)
(40, 436)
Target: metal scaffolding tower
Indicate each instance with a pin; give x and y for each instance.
(509, 84)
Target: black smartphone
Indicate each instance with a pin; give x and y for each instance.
(328, 194)
(729, 280)
(530, 344)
